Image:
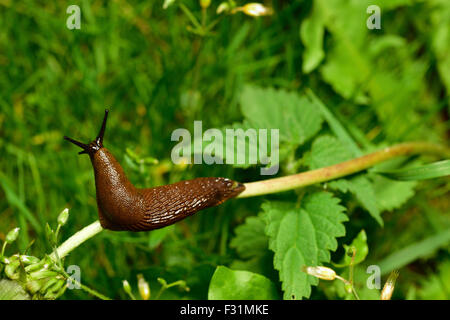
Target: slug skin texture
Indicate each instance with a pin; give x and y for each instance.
(123, 207)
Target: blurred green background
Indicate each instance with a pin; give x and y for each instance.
(140, 61)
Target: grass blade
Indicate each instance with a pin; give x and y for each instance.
(427, 171)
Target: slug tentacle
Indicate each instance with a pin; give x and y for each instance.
(121, 206)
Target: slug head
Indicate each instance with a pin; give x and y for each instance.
(92, 147)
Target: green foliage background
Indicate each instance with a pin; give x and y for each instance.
(383, 86)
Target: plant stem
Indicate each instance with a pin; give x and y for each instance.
(77, 239)
(275, 185)
(338, 170)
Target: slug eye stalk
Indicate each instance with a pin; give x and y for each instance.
(95, 145)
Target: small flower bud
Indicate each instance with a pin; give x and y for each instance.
(63, 217)
(126, 286)
(255, 9)
(28, 260)
(12, 235)
(144, 288)
(205, 3)
(388, 288)
(323, 273)
(223, 7)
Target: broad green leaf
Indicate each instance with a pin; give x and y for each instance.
(303, 236)
(227, 284)
(414, 251)
(12, 290)
(311, 33)
(363, 190)
(359, 244)
(250, 240)
(267, 108)
(427, 171)
(327, 150)
(391, 194)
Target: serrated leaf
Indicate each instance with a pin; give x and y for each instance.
(250, 240)
(303, 236)
(295, 116)
(227, 284)
(363, 190)
(327, 150)
(391, 194)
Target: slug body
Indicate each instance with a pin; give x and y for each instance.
(123, 207)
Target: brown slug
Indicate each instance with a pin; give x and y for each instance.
(123, 207)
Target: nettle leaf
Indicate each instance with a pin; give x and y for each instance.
(327, 150)
(391, 194)
(250, 240)
(227, 284)
(303, 236)
(364, 192)
(295, 116)
(374, 192)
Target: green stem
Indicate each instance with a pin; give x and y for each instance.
(191, 17)
(338, 170)
(275, 185)
(77, 239)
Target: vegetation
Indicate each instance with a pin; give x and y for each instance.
(336, 91)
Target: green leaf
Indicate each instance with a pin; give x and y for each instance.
(227, 284)
(414, 251)
(359, 244)
(363, 190)
(12, 290)
(326, 150)
(437, 285)
(335, 125)
(301, 236)
(250, 240)
(311, 33)
(427, 171)
(295, 116)
(391, 194)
